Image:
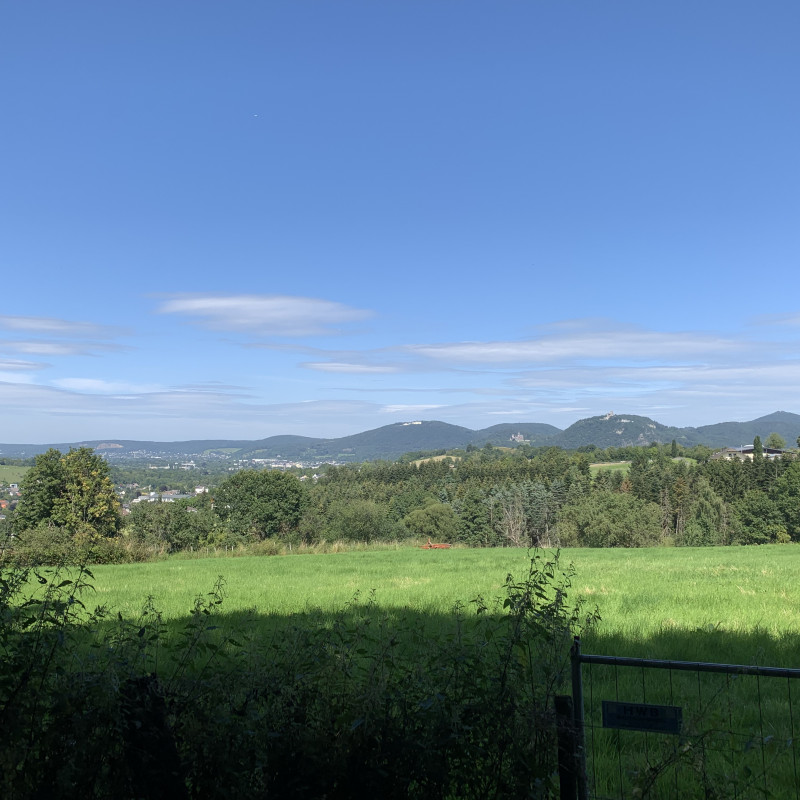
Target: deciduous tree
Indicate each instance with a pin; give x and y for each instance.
(437, 521)
(72, 491)
(260, 504)
(775, 441)
(39, 489)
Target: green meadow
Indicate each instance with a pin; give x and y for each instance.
(12, 474)
(610, 466)
(624, 466)
(728, 604)
(736, 605)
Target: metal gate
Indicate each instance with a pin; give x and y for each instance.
(675, 730)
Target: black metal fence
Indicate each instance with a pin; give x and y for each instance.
(649, 728)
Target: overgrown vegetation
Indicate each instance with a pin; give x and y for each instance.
(357, 704)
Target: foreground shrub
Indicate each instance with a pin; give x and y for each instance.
(364, 704)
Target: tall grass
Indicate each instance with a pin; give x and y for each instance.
(644, 595)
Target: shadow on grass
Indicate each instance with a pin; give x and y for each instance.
(367, 701)
(361, 702)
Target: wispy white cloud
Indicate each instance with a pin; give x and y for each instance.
(509, 412)
(777, 320)
(14, 365)
(723, 379)
(411, 408)
(564, 373)
(42, 347)
(54, 338)
(99, 386)
(51, 326)
(576, 342)
(265, 315)
(213, 387)
(353, 369)
(572, 346)
(170, 414)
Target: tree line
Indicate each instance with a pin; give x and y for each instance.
(487, 497)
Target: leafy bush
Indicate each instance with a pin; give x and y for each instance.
(174, 526)
(609, 519)
(360, 521)
(47, 545)
(435, 521)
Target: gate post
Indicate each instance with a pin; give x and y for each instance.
(578, 719)
(567, 749)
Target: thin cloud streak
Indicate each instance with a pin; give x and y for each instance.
(13, 365)
(777, 320)
(53, 338)
(353, 369)
(605, 345)
(170, 415)
(99, 386)
(410, 408)
(265, 315)
(63, 348)
(52, 326)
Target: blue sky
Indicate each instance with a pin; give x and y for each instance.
(250, 218)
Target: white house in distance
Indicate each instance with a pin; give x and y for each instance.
(745, 453)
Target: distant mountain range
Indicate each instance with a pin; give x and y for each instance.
(392, 441)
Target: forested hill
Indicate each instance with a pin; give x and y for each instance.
(626, 430)
(734, 434)
(387, 442)
(392, 441)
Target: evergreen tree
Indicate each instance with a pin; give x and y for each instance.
(786, 494)
(760, 520)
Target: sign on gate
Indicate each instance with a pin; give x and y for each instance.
(641, 717)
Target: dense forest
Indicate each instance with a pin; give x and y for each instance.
(488, 497)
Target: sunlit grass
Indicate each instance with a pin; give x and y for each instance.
(610, 466)
(10, 473)
(642, 594)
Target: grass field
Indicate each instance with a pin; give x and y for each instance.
(624, 466)
(12, 474)
(732, 605)
(610, 466)
(687, 603)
